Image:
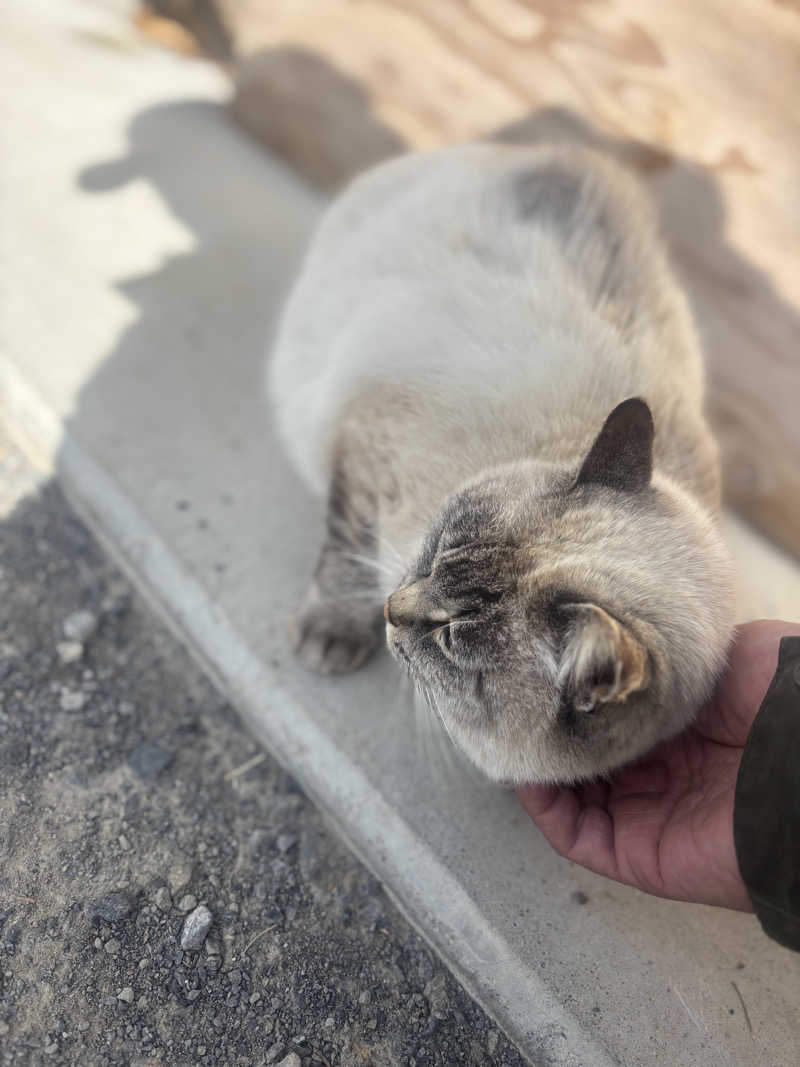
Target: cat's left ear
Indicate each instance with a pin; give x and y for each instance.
(622, 454)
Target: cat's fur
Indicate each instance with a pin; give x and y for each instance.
(450, 370)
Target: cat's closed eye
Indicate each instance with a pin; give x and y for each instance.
(444, 638)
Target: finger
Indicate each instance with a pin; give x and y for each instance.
(727, 718)
(593, 794)
(593, 846)
(583, 833)
(555, 810)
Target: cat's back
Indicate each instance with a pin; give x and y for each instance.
(527, 219)
(436, 266)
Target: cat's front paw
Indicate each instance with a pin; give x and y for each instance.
(329, 639)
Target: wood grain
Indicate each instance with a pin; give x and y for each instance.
(702, 96)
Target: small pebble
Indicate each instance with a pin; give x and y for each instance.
(259, 843)
(126, 995)
(329, 1023)
(111, 907)
(436, 996)
(187, 903)
(195, 929)
(4, 1028)
(491, 1041)
(79, 625)
(162, 898)
(83, 1026)
(71, 700)
(292, 1060)
(148, 760)
(286, 842)
(112, 946)
(179, 875)
(310, 853)
(52, 1048)
(124, 843)
(69, 651)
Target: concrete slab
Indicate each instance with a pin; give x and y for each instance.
(146, 249)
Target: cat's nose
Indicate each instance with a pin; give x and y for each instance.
(413, 603)
(399, 608)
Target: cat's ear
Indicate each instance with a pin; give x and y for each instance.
(622, 454)
(602, 661)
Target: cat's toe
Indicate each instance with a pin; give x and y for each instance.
(331, 646)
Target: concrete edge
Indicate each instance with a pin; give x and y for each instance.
(426, 893)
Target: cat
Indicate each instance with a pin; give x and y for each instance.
(489, 368)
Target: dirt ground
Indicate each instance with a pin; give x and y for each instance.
(168, 896)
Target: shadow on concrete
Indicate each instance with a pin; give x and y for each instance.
(185, 380)
(318, 118)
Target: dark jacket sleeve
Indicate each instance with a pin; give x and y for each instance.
(766, 817)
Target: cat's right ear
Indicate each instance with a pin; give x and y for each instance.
(622, 455)
(602, 661)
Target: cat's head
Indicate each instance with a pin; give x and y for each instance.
(561, 623)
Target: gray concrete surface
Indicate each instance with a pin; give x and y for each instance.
(151, 245)
(135, 808)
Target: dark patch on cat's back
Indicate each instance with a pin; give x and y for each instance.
(580, 210)
(549, 192)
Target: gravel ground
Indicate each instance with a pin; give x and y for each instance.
(168, 896)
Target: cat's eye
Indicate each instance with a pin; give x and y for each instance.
(443, 637)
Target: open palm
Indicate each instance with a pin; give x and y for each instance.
(665, 824)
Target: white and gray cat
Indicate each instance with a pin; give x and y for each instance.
(488, 367)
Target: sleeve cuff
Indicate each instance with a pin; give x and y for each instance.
(766, 816)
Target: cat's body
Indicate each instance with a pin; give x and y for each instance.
(469, 318)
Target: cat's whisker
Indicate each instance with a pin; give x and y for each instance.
(366, 596)
(367, 561)
(389, 547)
(437, 747)
(441, 718)
(424, 726)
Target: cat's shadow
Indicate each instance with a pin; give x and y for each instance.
(749, 331)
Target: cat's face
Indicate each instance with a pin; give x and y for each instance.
(563, 623)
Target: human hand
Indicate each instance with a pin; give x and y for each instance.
(665, 823)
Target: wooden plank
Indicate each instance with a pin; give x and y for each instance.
(703, 96)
